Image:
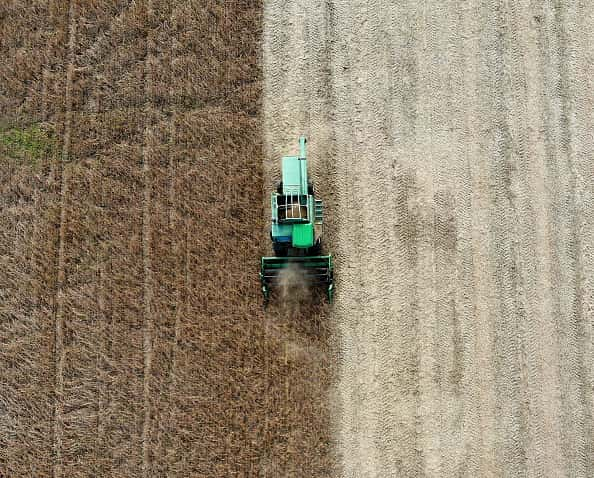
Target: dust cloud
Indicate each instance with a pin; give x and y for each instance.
(294, 289)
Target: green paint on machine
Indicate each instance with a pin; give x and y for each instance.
(296, 221)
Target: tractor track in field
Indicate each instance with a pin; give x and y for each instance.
(60, 319)
(452, 146)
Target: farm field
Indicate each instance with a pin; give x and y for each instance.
(452, 145)
(453, 142)
(132, 337)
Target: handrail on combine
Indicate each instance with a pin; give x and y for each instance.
(316, 270)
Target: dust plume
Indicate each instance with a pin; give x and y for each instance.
(293, 287)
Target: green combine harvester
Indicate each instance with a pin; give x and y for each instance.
(296, 229)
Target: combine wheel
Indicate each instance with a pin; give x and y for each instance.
(280, 250)
(316, 250)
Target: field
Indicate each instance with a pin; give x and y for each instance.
(453, 145)
(133, 341)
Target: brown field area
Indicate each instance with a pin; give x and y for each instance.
(132, 340)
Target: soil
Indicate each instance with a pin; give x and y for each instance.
(452, 144)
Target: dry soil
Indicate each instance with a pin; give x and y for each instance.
(453, 145)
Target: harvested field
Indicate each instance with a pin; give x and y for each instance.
(453, 145)
(132, 340)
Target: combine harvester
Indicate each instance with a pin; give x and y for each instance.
(296, 229)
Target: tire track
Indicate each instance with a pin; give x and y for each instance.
(399, 371)
(102, 285)
(556, 280)
(94, 50)
(508, 307)
(349, 283)
(181, 254)
(60, 319)
(45, 79)
(371, 81)
(570, 320)
(580, 67)
(148, 329)
(518, 66)
(425, 306)
(438, 134)
(148, 319)
(479, 417)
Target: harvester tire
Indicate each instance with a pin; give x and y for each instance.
(316, 250)
(280, 250)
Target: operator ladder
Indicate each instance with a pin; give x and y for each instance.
(319, 212)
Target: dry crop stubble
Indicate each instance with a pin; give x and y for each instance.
(150, 250)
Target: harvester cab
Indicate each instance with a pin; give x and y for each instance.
(295, 231)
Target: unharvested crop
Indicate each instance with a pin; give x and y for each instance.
(133, 340)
